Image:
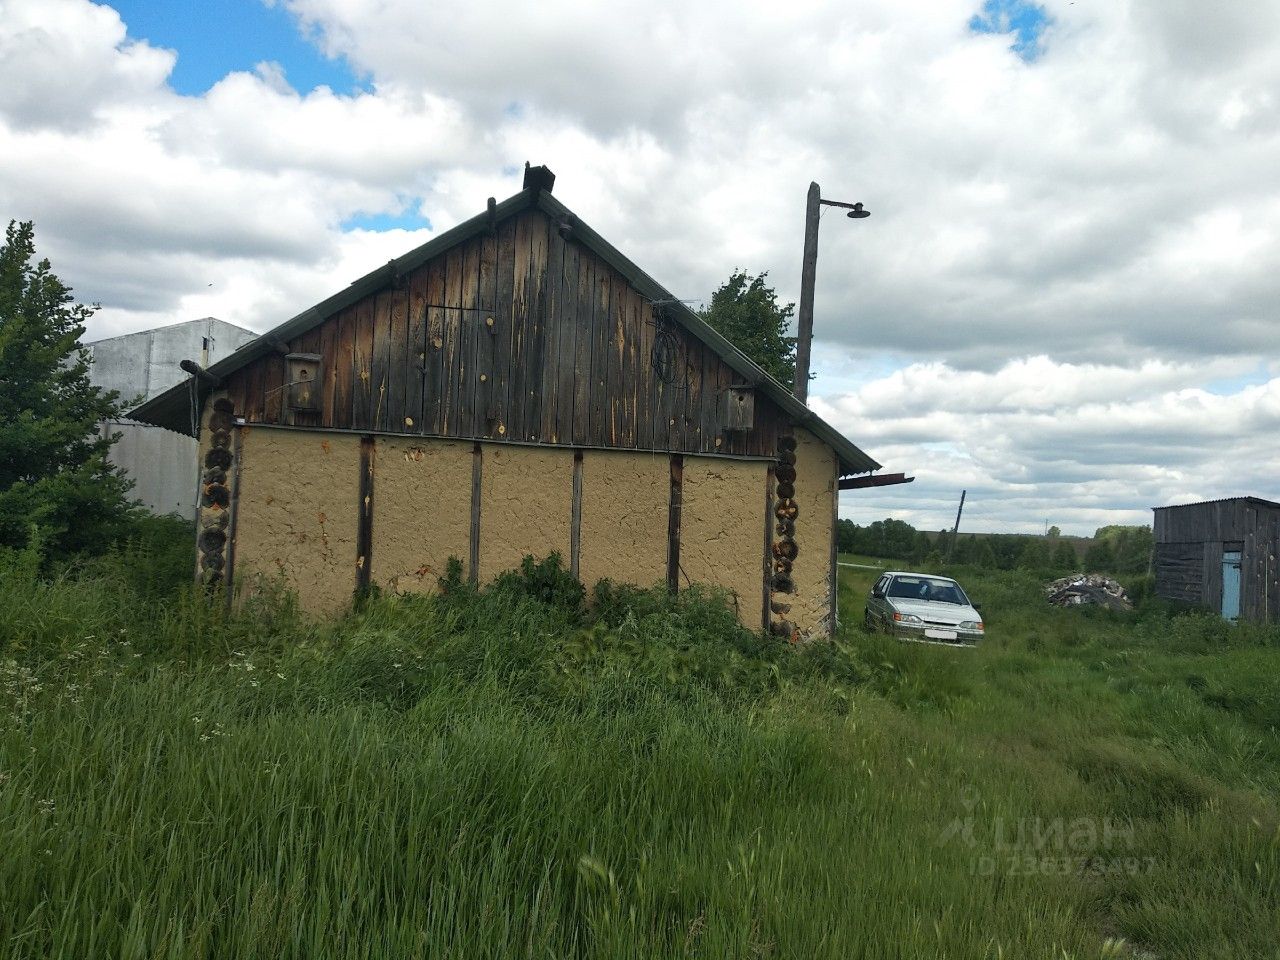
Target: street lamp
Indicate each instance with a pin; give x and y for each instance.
(808, 270)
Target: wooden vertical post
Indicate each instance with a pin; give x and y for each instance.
(229, 580)
(673, 522)
(477, 466)
(575, 516)
(835, 529)
(808, 274)
(364, 527)
(768, 546)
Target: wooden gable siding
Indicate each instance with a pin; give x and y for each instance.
(567, 358)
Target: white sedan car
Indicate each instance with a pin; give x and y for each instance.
(922, 606)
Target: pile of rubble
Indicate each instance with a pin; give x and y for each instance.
(1089, 588)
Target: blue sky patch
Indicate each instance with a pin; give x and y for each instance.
(215, 38)
(1229, 386)
(1026, 21)
(410, 219)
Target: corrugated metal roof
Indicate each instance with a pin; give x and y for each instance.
(172, 408)
(1201, 503)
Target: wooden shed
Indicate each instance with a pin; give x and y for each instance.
(515, 386)
(1221, 554)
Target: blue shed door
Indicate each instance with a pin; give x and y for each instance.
(1231, 584)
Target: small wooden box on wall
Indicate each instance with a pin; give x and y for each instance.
(303, 393)
(737, 408)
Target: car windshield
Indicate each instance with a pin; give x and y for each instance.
(927, 588)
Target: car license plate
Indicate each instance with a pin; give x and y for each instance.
(940, 634)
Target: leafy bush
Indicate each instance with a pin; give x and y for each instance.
(545, 580)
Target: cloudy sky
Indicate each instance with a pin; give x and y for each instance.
(1065, 301)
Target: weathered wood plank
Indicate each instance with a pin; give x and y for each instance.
(381, 361)
(472, 329)
(234, 385)
(518, 389)
(433, 382)
(362, 367)
(535, 338)
(450, 359)
(504, 314)
(486, 321)
(271, 403)
(600, 331)
(615, 349)
(710, 417)
(398, 419)
(631, 368)
(309, 342)
(582, 327)
(723, 442)
(643, 323)
(670, 350)
(567, 310)
(344, 342)
(416, 360)
(253, 387)
(552, 326)
(328, 368)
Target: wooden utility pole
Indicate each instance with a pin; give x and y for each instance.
(955, 531)
(808, 274)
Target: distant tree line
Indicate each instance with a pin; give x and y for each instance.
(1115, 549)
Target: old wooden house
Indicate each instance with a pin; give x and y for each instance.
(1221, 554)
(515, 386)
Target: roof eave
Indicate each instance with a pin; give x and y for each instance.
(171, 408)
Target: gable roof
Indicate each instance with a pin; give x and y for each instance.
(1256, 501)
(172, 409)
(179, 325)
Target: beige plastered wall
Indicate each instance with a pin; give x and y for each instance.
(722, 530)
(623, 532)
(526, 502)
(419, 518)
(297, 513)
(811, 604)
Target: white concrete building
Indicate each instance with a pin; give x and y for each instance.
(143, 365)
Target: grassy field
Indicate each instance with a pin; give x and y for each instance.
(506, 775)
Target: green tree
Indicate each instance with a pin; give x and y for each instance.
(1130, 546)
(1055, 532)
(1064, 556)
(847, 536)
(54, 473)
(919, 548)
(1100, 558)
(1034, 555)
(747, 313)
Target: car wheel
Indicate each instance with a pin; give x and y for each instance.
(869, 623)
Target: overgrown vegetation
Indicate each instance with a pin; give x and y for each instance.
(56, 484)
(516, 771)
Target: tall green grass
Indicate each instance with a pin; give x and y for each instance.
(512, 772)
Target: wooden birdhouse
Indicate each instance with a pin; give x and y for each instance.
(304, 382)
(737, 409)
